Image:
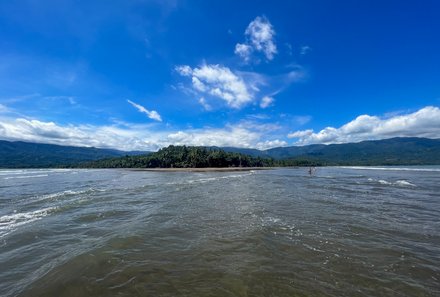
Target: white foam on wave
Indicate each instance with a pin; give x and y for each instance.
(281, 227)
(66, 193)
(392, 168)
(403, 183)
(60, 194)
(31, 172)
(25, 176)
(19, 172)
(210, 179)
(384, 182)
(271, 220)
(9, 223)
(11, 172)
(203, 180)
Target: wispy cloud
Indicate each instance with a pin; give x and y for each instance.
(70, 99)
(4, 108)
(205, 104)
(302, 120)
(266, 101)
(304, 50)
(154, 115)
(260, 37)
(422, 123)
(21, 98)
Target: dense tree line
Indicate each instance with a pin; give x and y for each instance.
(183, 157)
(395, 151)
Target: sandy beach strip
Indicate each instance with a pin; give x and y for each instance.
(208, 169)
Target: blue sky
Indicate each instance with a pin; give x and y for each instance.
(140, 75)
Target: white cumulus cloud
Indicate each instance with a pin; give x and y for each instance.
(300, 134)
(218, 81)
(268, 144)
(154, 115)
(422, 123)
(229, 136)
(244, 51)
(259, 38)
(184, 70)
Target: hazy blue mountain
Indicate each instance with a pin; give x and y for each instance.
(18, 154)
(393, 151)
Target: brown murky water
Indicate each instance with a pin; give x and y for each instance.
(343, 232)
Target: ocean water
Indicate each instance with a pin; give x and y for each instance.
(346, 231)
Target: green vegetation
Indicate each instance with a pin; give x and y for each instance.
(18, 154)
(394, 151)
(183, 157)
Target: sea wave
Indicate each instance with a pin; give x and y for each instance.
(25, 176)
(210, 179)
(10, 222)
(392, 168)
(402, 183)
(16, 172)
(60, 194)
(66, 193)
(9, 172)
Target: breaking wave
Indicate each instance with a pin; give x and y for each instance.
(25, 176)
(392, 168)
(403, 183)
(8, 223)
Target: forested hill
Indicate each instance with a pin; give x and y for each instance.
(182, 157)
(18, 154)
(393, 151)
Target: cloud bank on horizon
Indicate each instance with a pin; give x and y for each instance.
(422, 123)
(255, 81)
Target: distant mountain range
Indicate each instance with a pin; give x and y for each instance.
(393, 151)
(18, 154)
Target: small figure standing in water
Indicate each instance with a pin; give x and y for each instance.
(312, 170)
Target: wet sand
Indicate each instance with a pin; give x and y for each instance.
(208, 169)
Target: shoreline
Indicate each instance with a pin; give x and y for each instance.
(207, 169)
